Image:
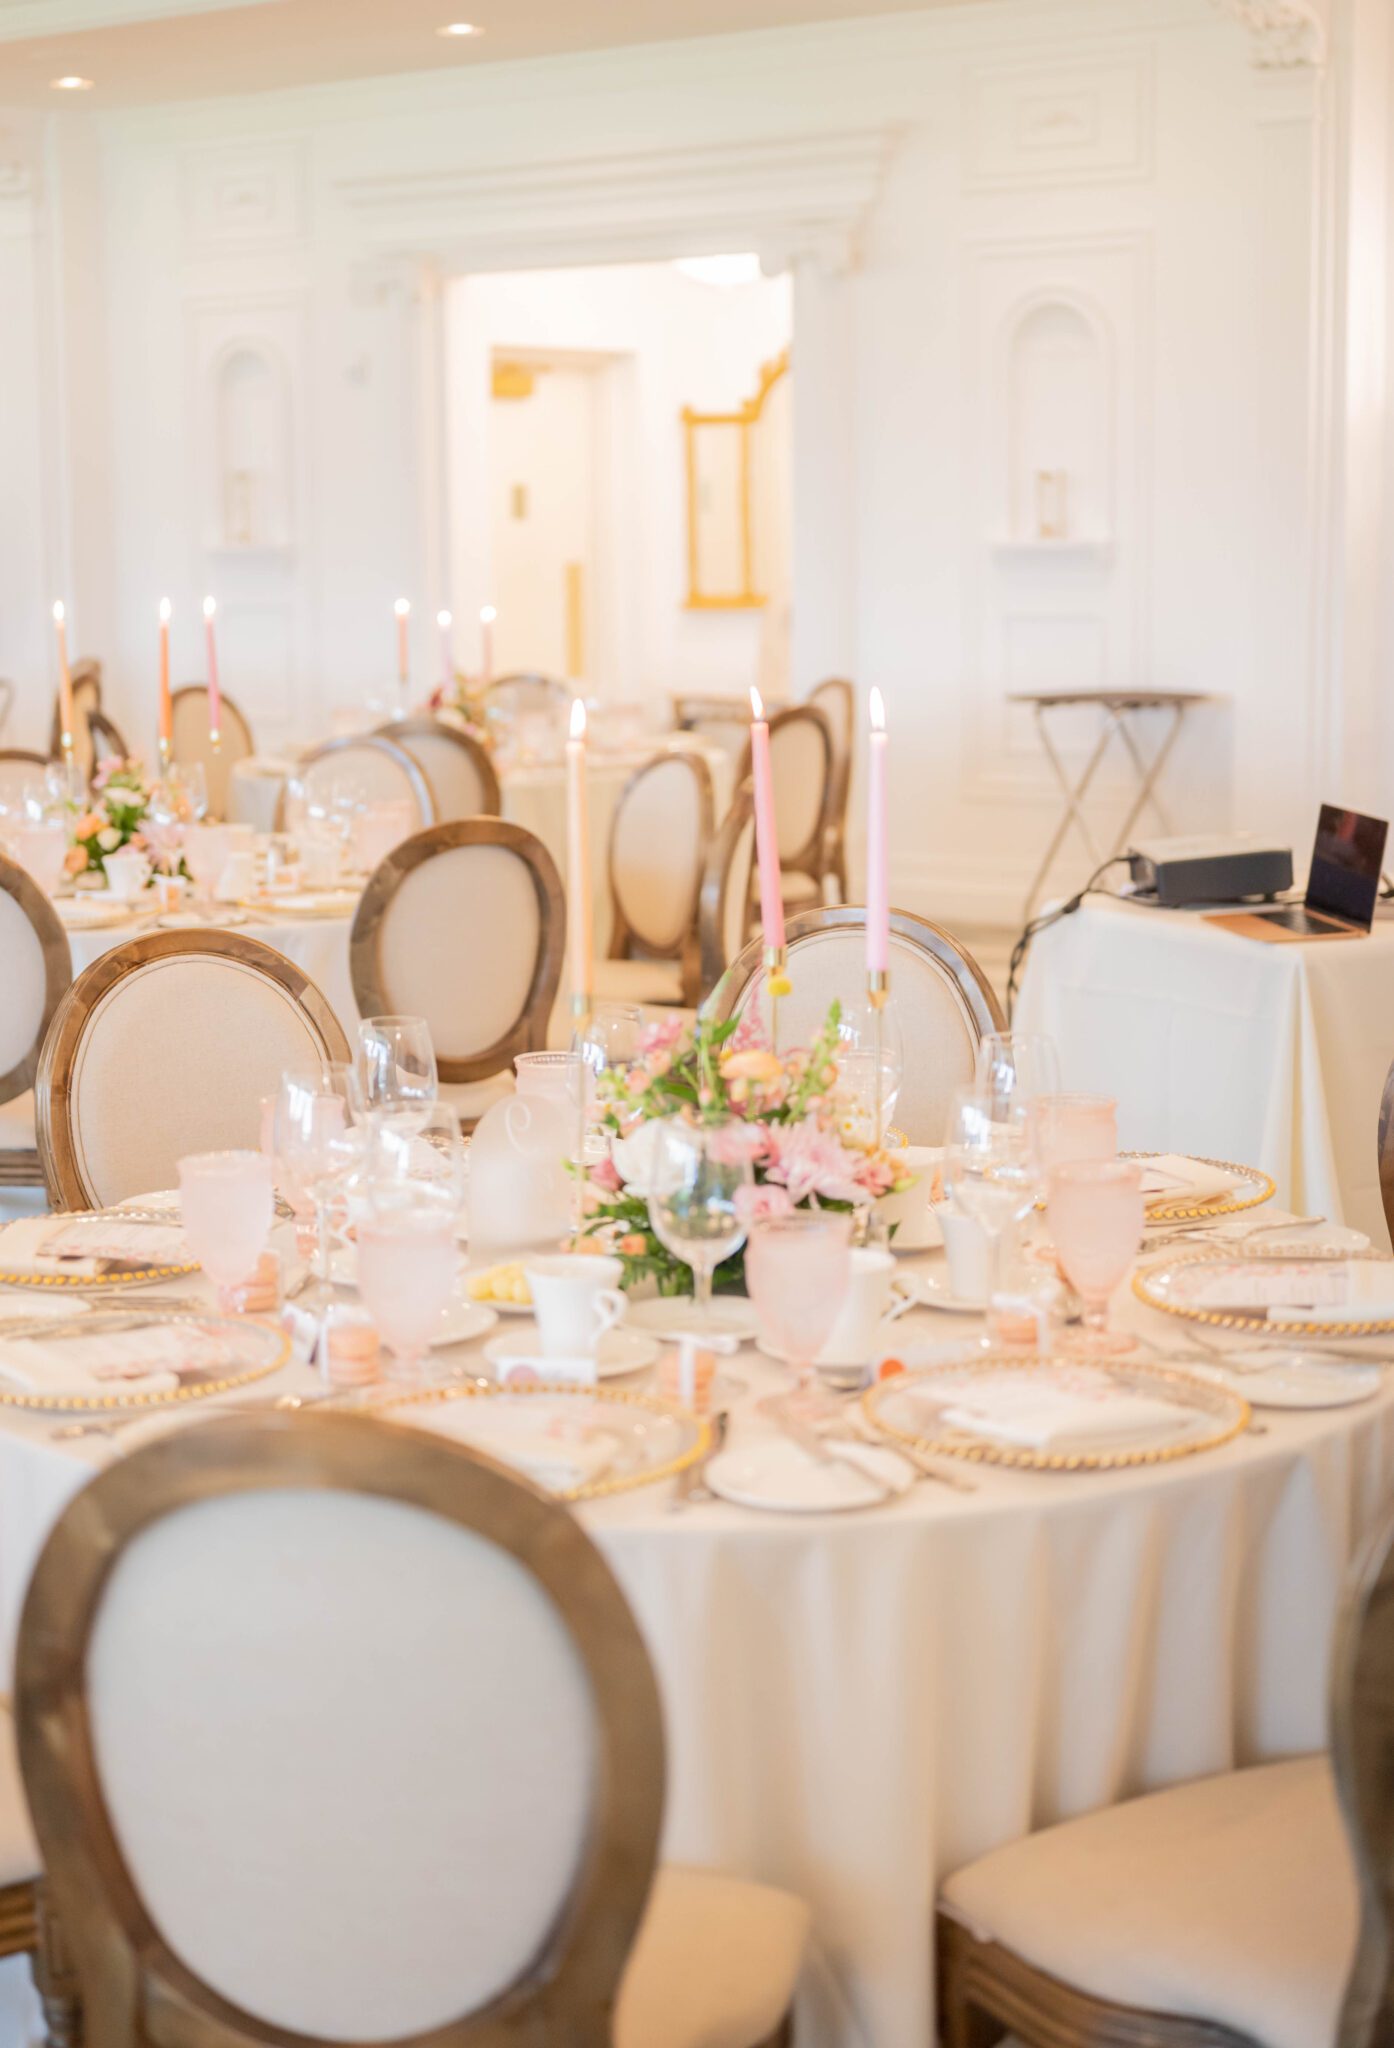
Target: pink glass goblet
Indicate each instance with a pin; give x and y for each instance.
(1094, 1212)
(1074, 1127)
(797, 1269)
(407, 1261)
(226, 1205)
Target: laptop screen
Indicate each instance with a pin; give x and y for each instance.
(1346, 863)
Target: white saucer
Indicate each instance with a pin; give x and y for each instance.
(461, 1320)
(1298, 1379)
(89, 914)
(766, 1470)
(620, 1352)
(673, 1315)
(223, 919)
(934, 1289)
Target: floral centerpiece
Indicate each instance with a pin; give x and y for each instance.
(120, 800)
(788, 1113)
(466, 702)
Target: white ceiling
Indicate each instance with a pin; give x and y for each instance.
(136, 51)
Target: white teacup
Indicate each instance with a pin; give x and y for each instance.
(576, 1298)
(866, 1305)
(910, 1211)
(127, 872)
(966, 1243)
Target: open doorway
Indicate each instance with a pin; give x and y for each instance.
(619, 475)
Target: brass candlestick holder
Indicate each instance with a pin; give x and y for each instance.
(776, 985)
(878, 989)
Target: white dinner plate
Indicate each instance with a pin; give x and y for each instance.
(673, 1315)
(461, 1321)
(767, 1470)
(620, 1351)
(93, 914)
(1294, 1379)
(224, 918)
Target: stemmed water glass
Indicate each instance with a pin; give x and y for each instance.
(317, 1147)
(858, 1067)
(1018, 1064)
(611, 1040)
(396, 1066)
(991, 1169)
(797, 1269)
(423, 1151)
(407, 1261)
(1094, 1210)
(226, 1205)
(695, 1177)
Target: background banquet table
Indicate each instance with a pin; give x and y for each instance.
(856, 1704)
(1273, 1055)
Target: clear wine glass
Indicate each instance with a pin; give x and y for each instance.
(991, 1170)
(226, 1206)
(396, 1066)
(407, 1259)
(610, 1043)
(1094, 1210)
(1019, 1064)
(422, 1154)
(796, 1269)
(317, 1147)
(696, 1174)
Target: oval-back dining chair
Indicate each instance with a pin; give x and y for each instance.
(528, 694)
(944, 1002)
(378, 770)
(21, 769)
(464, 925)
(336, 1731)
(192, 744)
(659, 836)
(107, 740)
(461, 774)
(837, 700)
(724, 917)
(801, 768)
(166, 1045)
(38, 968)
(1386, 1151)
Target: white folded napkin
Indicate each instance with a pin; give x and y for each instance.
(1042, 1417)
(150, 1359)
(1292, 1291)
(1172, 1177)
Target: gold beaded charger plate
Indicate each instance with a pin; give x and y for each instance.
(1055, 1415)
(578, 1443)
(1291, 1290)
(1253, 1188)
(124, 1359)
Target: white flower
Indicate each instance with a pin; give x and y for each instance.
(109, 840)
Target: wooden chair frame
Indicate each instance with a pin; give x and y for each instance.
(58, 1153)
(23, 1168)
(625, 942)
(1385, 1143)
(402, 731)
(835, 836)
(809, 858)
(417, 778)
(26, 754)
(973, 985)
(529, 1032)
(716, 882)
(133, 1986)
(108, 741)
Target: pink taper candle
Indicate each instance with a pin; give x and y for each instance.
(486, 645)
(65, 680)
(403, 610)
(766, 829)
(215, 695)
(578, 861)
(878, 909)
(166, 701)
(447, 654)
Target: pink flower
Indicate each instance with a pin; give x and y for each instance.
(761, 1066)
(812, 1163)
(662, 1035)
(606, 1177)
(753, 1202)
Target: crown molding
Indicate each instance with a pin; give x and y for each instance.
(23, 18)
(1286, 33)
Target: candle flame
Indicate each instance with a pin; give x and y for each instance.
(578, 718)
(210, 605)
(487, 615)
(58, 613)
(164, 611)
(443, 619)
(878, 710)
(757, 703)
(402, 607)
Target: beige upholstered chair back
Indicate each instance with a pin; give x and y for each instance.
(166, 1045)
(20, 769)
(525, 696)
(720, 718)
(1385, 1147)
(659, 838)
(943, 1001)
(726, 909)
(801, 764)
(333, 1730)
(464, 925)
(193, 742)
(459, 770)
(376, 769)
(38, 967)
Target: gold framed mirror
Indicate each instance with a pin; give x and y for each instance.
(728, 496)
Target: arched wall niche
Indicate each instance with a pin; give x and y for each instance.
(251, 499)
(1056, 400)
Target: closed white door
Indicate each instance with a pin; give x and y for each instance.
(542, 482)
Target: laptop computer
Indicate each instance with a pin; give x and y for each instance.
(1342, 885)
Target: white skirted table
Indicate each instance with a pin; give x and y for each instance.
(857, 1704)
(1274, 1056)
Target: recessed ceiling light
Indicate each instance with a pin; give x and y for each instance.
(72, 83)
(459, 28)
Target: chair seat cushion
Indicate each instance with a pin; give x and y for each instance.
(638, 981)
(800, 892)
(714, 1965)
(19, 1852)
(1231, 1899)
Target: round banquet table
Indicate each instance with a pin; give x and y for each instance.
(856, 1704)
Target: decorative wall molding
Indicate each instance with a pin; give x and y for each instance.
(1285, 33)
(1087, 122)
(248, 196)
(20, 18)
(797, 196)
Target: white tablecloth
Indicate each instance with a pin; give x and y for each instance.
(1273, 1056)
(857, 1704)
